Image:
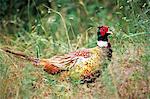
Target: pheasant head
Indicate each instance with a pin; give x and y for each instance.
(103, 33)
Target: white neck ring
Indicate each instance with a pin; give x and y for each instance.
(102, 43)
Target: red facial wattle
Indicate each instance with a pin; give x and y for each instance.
(103, 30)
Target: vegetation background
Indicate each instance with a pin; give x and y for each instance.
(43, 28)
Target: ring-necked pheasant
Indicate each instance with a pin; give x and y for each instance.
(83, 64)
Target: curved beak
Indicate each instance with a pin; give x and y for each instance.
(110, 32)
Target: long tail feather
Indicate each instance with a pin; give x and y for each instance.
(20, 55)
(48, 67)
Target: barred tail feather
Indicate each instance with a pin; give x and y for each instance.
(21, 55)
(48, 67)
(35, 61)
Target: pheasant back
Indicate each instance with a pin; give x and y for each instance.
(78, 64)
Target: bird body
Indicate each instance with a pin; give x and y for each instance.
(81, 61)
(80, 64)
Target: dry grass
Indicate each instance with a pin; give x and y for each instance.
(58, 32)
(124, 78)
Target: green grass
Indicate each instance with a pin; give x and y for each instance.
(69, 26)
